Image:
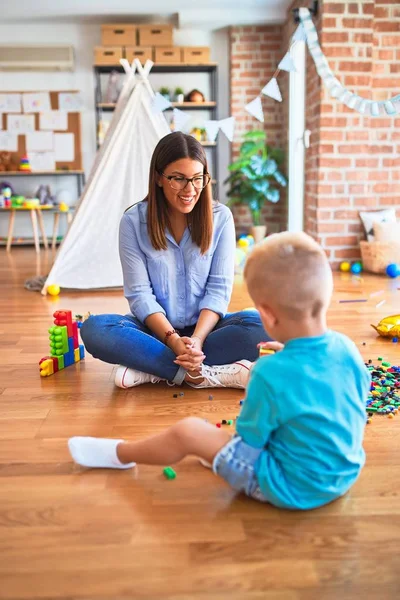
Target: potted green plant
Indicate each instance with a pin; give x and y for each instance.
(164, 91)
(179, 95)
(255, 177)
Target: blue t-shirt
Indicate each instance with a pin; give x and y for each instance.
(305, 406)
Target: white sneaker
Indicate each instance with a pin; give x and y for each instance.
(127, 378)
(235, 375)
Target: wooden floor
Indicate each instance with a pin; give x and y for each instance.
(66, 533)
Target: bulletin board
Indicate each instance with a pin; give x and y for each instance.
(73, 126)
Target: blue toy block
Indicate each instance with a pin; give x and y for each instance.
(82, 351)
(69, 359)
(71, 346)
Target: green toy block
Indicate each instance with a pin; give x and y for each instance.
(58, 340)
(60, 361)
(169, 473)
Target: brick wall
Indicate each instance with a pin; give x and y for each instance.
(353, 162)
(254, 54)
(357, 155)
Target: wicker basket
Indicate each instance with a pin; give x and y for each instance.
(376, 256)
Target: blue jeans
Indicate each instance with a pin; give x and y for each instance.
(236, 463)
(125, 340)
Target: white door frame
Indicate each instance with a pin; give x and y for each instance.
(297, 138)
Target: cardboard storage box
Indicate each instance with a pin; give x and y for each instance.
(195, 55)
(118, 35)
(168, 54)
(107, 56)
(143, 53)
(155, 35)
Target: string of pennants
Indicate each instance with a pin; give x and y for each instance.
(305, 32)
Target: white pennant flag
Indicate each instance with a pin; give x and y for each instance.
(212, 128)
(299, 35)
(272, 90)
(254, 108)
(160, 103)
(228, 127)
(180, 119)
(287, 63)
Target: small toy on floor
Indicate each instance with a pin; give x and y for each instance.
(169, 473)
(65, 349)
(384, 395)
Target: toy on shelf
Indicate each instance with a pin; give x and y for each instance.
(6, 193)
(44, 195)
(25, 165)
(195, 96)
(388, 327)
(65, 349)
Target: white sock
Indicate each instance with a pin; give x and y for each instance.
(96, 453)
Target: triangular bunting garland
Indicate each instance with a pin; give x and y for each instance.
(287, 64)
(272, 90)
(180, 119)
(299, 35)
(254, 108)
(159, 103)
(212, 128)
(228, 127)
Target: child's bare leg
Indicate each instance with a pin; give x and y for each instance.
(189, 436)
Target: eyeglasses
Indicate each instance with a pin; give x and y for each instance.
(177, 182)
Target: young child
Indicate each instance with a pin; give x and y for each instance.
(299, 436)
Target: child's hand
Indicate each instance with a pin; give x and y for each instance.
(276, 346)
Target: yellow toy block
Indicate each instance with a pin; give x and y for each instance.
(77, 355)
(265, 351)
(46, 368)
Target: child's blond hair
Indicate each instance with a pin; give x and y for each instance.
(290, 272)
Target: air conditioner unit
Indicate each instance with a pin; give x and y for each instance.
(36, 58)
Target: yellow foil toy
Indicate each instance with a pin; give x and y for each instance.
(388, 327)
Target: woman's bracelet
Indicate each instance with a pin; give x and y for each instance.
(168, 334)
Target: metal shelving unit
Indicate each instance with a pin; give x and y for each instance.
(210, 106)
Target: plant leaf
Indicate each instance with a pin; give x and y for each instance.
(280, 178)
(261, 186)
(273, 195)
(257, 134)
(269, 167)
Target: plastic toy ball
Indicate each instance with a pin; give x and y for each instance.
(345, 267)
(53, 289)
(63, 207)
(243, 242)
(393, 270)
(356, 268)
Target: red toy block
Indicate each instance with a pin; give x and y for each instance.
(64, 317)
(55, 363)
(75, 334)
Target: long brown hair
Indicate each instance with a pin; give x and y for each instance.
(170, 148)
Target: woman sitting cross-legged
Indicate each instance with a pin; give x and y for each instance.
(177, 250)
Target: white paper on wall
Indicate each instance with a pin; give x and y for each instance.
(64, 147)
(42, 161)
(69, 101)
(20, 124)
(10, 103)
(8, 142)
(54, 120)
(35, 102)
(40, 141)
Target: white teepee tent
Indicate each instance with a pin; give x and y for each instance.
(88, 257)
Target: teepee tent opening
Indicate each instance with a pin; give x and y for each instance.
(88, 258)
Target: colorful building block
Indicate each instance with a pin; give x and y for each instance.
(58, 340)
(64, 318)
(65, 349)
(75, 334)
(169, 473)
(46, 366)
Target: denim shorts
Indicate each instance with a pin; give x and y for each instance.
(235, 463)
